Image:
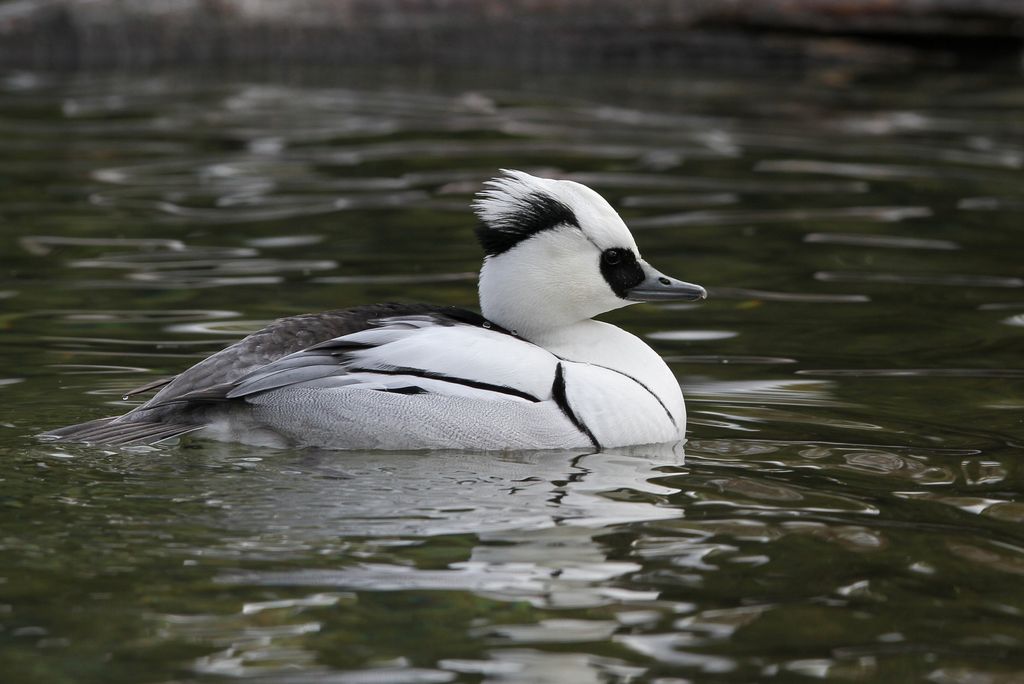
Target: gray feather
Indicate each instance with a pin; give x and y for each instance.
(107, 431)
(276, 378)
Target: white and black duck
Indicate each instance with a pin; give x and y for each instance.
(535, 371)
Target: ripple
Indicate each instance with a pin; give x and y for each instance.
(504, 581)
(758, 417)
(23, 81)
(233, 327)
(885, 241)
(670, 649)
(269, 209)
(41, 245)
(90, 369)
(736, 448)
(989, 204)
(449, 150)
(533, 666)
(163, 267)
(887, 123)
(554, 631)
(975, 505)
(734, 360)
(381, 675)
(770, 392)
(192, 266)
(920, 466)
(156, 259)
(756, 496)
(139, 316)
(1016, 321)
(234, 173)
(950, 279)
(729, 185)
(281, 241)
(799, 297)
(855, 170)
(399, 278)
(668, 201)
(692, 335)
(293, 605)
(913, 372)
(988, 554)
(743, 217)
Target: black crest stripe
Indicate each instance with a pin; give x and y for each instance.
(526, 217)
(558, 394)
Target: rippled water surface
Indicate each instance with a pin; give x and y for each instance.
(849, 505)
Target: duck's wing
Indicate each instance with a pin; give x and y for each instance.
(440, 351)
(277, 340)
(167, 414)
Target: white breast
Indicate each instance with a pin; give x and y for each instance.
(608, 346)
(617, 409)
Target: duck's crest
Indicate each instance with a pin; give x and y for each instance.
(515, 207)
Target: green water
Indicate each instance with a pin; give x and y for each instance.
(849, 505)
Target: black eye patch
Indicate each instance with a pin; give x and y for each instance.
(621, 270)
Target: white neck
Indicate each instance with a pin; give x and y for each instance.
(520, 291)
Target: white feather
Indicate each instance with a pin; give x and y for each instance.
(616, 409)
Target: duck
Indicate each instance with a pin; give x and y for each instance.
(532, 370)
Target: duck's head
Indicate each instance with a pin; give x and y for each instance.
(557, 254)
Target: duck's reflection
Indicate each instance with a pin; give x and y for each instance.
(534, 520)
(302, 499)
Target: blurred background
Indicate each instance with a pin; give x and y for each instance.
(844, 176)
(566, 34)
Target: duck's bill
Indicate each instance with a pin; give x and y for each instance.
(658, 287)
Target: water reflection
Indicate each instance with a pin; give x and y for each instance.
(536, 519)
(422, 495)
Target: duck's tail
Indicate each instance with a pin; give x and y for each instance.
(110, 431)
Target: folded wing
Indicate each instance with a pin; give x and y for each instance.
(412, 354)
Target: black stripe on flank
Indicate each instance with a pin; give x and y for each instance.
(411, 389)
(649, 391)
(558, 393)
(417, 373)
(532, 214)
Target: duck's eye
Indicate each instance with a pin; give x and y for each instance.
(621, 270)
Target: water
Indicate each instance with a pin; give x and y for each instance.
(849, 504)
